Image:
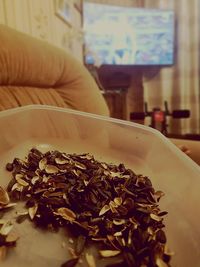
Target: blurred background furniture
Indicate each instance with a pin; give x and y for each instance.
(34, 72)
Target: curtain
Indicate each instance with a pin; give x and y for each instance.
(179, 85)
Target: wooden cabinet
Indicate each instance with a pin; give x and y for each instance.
(123, 89)
(117, 103)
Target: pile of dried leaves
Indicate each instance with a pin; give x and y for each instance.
(98, 202)
(8, 237)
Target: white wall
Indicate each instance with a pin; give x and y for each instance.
(38, 18)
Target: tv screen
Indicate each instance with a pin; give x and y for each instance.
(128, 36)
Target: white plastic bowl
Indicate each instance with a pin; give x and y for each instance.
(143, 149)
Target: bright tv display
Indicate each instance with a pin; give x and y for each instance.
(128, 36)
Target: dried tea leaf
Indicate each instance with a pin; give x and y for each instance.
(45, 179)
(161, 263)
(107, 173)
(61, 161)
(158, 195)
(39, 191)
(6, 228)
(93, 198)
(71, 241)
(76, 172)
(104, 209)
(93, 231)
(104, 165)
(66, 214)
(17, 187)
(3, 252)
(129, 259)
(129, 203)
(167, 251)
(99, 239)
(86, 156)
(134, 222)
(70, 263)
(19, 176)
(35, 179)
(80, 165)
(119, 221)
(109, 253)
(80, 244)
(155, 217)
(51, 169)
(32, 211)
(112, 240)
(86, 182)
(12, 237)
(4, 198)
(118, 234)
(19, 213)
(121, 241)
(118, 201)
(9, 167)
(107, 203)
(42, 164)
(130, 233)
(66, 156)
(90, 260)
(54, 194)
(2, 221)
(163, 213)
(150, 230)
(10, 205)
(113, 209)
(161, 237)
(115, 174)
(122, 210)
(21, 218)
(21, 181)
(112, 204)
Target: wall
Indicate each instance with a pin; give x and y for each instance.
(118, 2)
(38, 18)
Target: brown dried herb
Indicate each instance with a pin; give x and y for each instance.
(4, 198)
(161, 237)
(70, 263)
(109, 253)
(11, 238)
(21, 218)
(6, 228)
(90, 260)
(32, 211)
(99, 202)
(66, 214)
(8, 238)
(9, 167)
(104, 209)
(80, 244)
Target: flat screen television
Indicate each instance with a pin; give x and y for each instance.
(128, 36)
